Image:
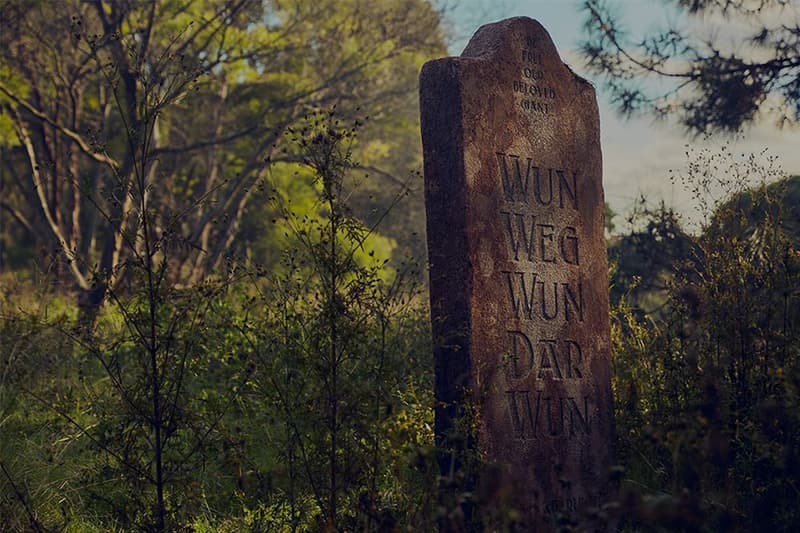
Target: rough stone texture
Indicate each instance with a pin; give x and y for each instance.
(518, 275)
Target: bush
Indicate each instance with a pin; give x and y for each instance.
(706, 392)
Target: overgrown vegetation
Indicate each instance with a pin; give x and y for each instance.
(297, 398)
(211, 321)
(706, 384)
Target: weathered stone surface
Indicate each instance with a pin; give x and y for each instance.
(518, 274)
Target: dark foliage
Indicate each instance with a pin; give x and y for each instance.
(708, 412)
(707, 85)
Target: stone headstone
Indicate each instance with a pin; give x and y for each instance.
(518, 276)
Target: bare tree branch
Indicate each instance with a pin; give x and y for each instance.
(72, 260)
(82, 144)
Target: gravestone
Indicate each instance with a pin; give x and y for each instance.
(518, 275)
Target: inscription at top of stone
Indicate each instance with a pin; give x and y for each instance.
(534, 91)
(529, 56)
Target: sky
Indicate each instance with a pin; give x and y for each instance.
(638, 153)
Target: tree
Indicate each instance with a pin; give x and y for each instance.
(260, 400)
(338, 351)
(195, 95)
(683, 72)
(707, 416)
(644, 260)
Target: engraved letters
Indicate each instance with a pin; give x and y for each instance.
(532, 73)
(532, 241)
(543, 359)
(531, 298)
(533, 85)
(534, 415)
(522, 181)
(534, 90)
